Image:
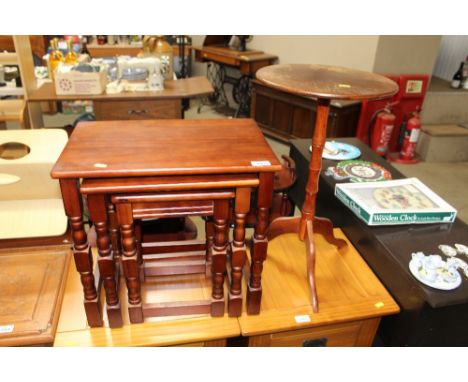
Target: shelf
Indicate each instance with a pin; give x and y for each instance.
(8, 59)
(7, 91)
(439, 85)
(106, 50)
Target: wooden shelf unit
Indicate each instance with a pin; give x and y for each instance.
(29, 115)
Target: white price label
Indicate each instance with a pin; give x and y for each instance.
(414, 135)
(302, 319)
(100, 165)
(260, 163)
(7, 328)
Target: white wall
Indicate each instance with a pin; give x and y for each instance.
(453, 50)
(406, 54)
(380, 54)
(356, 52)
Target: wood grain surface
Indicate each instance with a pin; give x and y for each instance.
(197, 330)
(165, 147)
(32, 282)
(226, 53)
(352, 302)
(347, 288)
(330, 82)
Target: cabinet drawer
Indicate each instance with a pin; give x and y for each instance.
(356, 333)
(151, 109)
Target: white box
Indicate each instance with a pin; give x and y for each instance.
(74, 82)
(30, 200)
(402, 201)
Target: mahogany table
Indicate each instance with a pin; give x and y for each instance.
(326, 83)
(163, 148)
(165, 197)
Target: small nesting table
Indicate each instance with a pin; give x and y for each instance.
(120, 151)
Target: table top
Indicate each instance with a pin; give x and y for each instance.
(165, 147)
(32, 283)
(347, 288)
(182, 88)
(245, 56)
(395, 243)
(329, 82)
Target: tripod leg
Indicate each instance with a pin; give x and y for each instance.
(324, 227)
(310, 248)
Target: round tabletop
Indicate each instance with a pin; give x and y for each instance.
(329, 82)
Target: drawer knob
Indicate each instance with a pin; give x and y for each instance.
(138, 111)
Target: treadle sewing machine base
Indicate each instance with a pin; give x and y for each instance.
(220, 57)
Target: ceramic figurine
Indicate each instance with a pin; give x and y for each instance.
(433, 271)
(447, 250)
(459, 263)
(462, 249)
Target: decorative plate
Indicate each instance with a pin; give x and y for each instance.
(359, 171)
(441, 282)
(339, 151)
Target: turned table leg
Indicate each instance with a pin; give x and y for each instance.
(218, 256)
(81, 251)
(307, 223)
(239, 251)
(139, 240)
(209, 233)
(98, 212)
(114, 234)
(130, 264)
(259, 243)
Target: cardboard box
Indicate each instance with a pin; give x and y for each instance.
(402, 201)
(73, 83)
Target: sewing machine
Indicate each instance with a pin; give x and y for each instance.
(150, 69)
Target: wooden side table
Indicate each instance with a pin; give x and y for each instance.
(324, 83)
(172, 148)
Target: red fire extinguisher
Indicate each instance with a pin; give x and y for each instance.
(380, 129)
(410, 140)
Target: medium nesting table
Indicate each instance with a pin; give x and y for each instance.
(113, 151)
(133, 199)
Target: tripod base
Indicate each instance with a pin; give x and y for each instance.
(321, 226)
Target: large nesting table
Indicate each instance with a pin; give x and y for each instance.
(175, 149)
